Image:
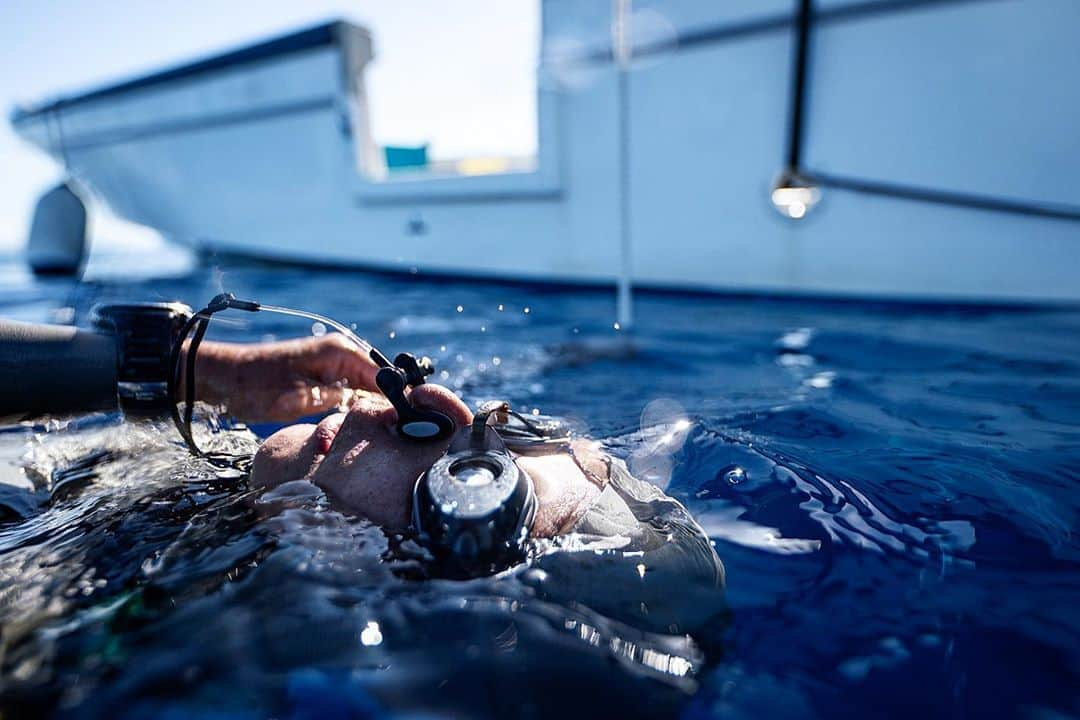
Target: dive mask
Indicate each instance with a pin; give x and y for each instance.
(474, 507)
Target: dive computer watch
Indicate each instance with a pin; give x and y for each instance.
(145, 334)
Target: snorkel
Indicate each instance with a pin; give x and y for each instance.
(419, 424)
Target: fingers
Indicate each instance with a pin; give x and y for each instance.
(335, 358)
(371, 416)
(437, 397)
(371, 469)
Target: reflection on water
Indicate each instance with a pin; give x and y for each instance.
(892, 491)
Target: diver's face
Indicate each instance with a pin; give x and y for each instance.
(362, 463)
(357, 457)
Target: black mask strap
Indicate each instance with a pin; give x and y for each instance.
(478, 435)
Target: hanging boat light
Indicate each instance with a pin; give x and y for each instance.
(794, 195)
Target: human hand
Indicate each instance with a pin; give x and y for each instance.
(282, 381)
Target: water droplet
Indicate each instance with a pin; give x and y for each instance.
(734, 475)
(500, 307)
(442, 348)
(821, 381)
(444, 375)
(393, 334)
(536, 411)
(318, 329)
(496, 361)
(617, 326)
(527, 311)
(460, 308)
(796, 339)
(483, 328)
(371, 634)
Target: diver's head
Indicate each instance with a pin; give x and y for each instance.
(366, 466)
(359, 458)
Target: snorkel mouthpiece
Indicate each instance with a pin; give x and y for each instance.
(416, 370)
(422, 424)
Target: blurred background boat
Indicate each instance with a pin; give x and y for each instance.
(911, 149)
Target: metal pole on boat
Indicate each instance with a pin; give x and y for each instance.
(621, 48)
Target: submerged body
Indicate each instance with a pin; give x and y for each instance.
(597, 529)
(601, 586)
(592, 530)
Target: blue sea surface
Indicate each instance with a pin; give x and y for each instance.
(892, 489)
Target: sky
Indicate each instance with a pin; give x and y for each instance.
(459, 74)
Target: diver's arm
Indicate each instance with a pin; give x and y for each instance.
(54, 369)
(282, 381)
(61, 369)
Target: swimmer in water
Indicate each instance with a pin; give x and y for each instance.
(604, 529)
(585, 500)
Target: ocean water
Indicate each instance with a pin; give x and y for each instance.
(892, 489)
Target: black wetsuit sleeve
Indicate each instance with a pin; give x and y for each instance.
(54, 369)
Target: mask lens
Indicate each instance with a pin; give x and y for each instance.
(474, 506)
(474, 472)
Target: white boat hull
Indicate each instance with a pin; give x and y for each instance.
(272, 157)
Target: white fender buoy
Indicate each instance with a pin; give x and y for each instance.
(57, 242)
